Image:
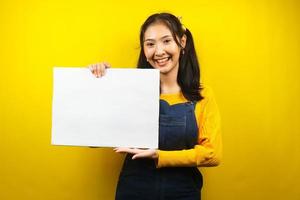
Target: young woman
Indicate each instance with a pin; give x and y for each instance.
(189, 122)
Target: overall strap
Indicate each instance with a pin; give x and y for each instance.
(192, 103)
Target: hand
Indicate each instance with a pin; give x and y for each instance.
(99, 69)
(138, 153)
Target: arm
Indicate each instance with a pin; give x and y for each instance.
(209, 148)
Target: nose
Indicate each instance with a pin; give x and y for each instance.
(160, 50)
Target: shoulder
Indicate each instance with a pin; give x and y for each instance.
(208, 104)
(208, 101)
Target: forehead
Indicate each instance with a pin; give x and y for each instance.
(156, 31)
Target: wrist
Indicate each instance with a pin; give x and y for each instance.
(155, 155)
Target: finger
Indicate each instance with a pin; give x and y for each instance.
(140, 155)
(102, 69)
(115, 149)
(98, 69)
(107, 65)
(135, 156)
(93, 69)
(128, 150)
(122, 150)
(118, 149)
(149, 153)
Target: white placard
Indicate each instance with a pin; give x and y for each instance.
(120, 109)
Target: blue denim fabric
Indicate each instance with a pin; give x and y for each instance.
(140, 180)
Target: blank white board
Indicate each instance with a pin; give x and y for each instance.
(120, 109)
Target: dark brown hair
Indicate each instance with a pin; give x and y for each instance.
(188, 77)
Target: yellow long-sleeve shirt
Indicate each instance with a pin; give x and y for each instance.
(208, 151)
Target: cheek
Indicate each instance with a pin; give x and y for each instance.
(148, 53)
(174, 50)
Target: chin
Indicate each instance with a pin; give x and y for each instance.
(164, 70)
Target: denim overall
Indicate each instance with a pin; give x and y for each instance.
(141, 180)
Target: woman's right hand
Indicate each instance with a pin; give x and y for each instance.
(99, 69)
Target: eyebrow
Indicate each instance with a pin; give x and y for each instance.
(165, 36)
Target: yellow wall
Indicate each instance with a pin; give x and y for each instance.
(249, 52)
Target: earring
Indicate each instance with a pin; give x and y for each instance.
(182, 51)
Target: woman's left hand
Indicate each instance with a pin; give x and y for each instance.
(138, 153)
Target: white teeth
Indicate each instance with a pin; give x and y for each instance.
(162, 60)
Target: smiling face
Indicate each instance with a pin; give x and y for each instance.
(161, 49)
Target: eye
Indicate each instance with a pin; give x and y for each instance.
(167, 41)
(149, 44)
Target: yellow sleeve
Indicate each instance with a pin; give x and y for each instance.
(208, 151)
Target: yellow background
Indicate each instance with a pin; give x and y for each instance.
(249, 54)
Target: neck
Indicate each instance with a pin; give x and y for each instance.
(168, 82)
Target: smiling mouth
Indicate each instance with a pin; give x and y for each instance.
(162, 61)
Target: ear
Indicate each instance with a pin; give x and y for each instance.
(183, 41)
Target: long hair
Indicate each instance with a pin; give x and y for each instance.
(188, 77)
